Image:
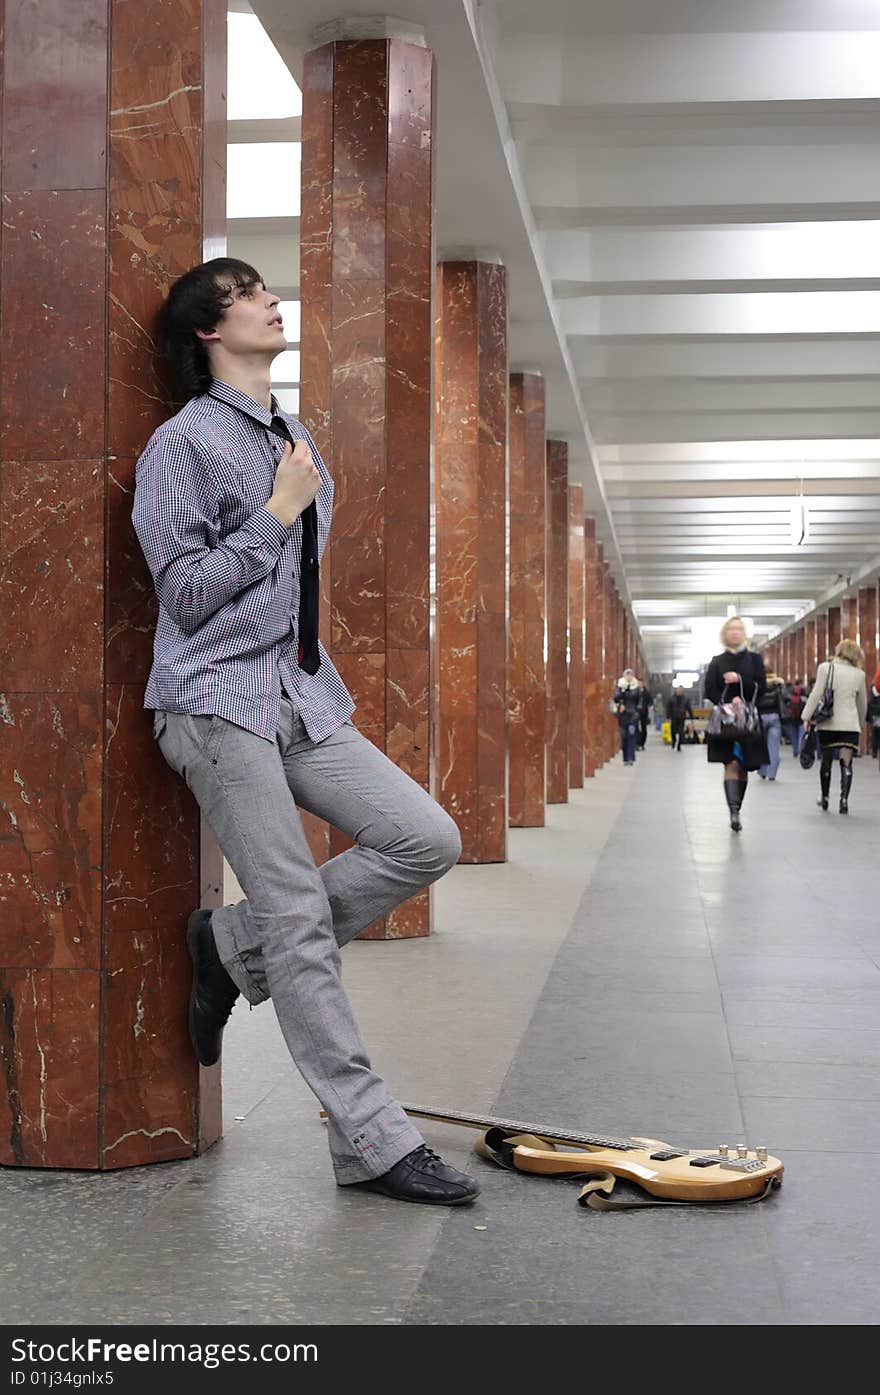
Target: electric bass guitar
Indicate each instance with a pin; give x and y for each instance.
(680, 1174)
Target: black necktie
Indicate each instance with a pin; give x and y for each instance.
(309, 658)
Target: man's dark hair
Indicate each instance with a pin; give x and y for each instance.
(197, 300)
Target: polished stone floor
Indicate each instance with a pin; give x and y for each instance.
(633, 968)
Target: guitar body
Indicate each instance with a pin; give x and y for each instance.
(715, 1177)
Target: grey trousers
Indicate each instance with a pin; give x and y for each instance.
(283, 942)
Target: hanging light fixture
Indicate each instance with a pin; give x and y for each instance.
(800, 520)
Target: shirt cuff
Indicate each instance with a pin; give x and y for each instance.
(268, 528)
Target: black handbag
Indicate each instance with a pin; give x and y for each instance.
(807, 754)
(728, 724)
(826, 704)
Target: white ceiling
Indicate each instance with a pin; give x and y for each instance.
(687, 196)
(705, 178)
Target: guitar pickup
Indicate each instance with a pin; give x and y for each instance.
(705, 1162)
(669, 1154)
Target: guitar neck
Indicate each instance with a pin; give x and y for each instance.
(479, 1121)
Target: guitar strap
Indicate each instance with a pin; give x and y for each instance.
(597, 1193)
(598, 1187)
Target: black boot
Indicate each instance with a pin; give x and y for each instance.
(733, 794)
(213, 993)
(846, 774)
(824, 784)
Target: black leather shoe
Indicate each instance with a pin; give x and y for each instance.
(213, 992)
(423, 1176)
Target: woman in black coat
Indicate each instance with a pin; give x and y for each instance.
(735, 665)
(628, 705)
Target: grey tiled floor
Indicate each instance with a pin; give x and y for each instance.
(633, 968)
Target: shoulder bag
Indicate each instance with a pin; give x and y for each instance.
(826, 703)
(728, 723)
(807, 755)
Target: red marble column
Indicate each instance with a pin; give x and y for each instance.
(576, 636)
(867, 600)
(366, 287)
(593, 652)
(604, 652)
(800, 653)
(811, 646)
(824, 631)
(470, 485)
(557, 622)
(100, 859)
(848, 617)
(834, 629)
(612, 668)
(525, 652)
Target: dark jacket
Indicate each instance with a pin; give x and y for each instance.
(628, 703)
(797, 698)
(750, 667)
(773, 700)
(680, 709)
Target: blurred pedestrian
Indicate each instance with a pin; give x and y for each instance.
(873, 718)
(680, 711)
(736, 675)
(627, 704)
(840, 734)
(772, 708)
(644, 709)
(797, 696)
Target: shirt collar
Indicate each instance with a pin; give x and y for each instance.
(251, 408)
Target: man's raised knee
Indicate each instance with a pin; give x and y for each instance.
(447, 846)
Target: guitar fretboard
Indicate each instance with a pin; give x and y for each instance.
(452, 1116)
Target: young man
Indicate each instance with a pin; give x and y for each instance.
(680, 712)
(644, 710)
(232, 508)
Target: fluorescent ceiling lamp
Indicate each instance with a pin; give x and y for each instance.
(259, 86)
(800, 523)
(685, 679)
(263, 180)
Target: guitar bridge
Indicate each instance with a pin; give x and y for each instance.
(743, 1164)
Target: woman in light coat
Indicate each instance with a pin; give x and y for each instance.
(840, 734)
